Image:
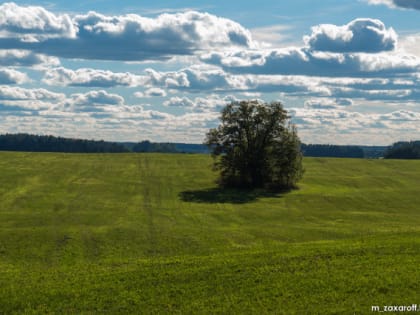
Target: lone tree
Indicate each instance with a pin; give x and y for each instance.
(256, 146)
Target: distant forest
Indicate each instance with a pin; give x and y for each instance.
(327, 150)
(403, 150)
(36, 143)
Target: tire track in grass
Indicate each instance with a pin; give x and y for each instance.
(147, 203)
(147, 207)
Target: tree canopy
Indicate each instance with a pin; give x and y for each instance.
(403, 150)
(255, 145)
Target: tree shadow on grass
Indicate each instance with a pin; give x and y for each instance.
(228, 195)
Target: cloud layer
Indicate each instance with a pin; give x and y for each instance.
(301, 61)
(342, 83)
(127, 37)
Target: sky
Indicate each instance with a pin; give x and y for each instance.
(348, 72)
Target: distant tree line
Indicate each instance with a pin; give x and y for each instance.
(328, 150)
(147, 146)
(403, 150)
(35, 143)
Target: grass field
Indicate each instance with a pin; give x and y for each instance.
(128, 233)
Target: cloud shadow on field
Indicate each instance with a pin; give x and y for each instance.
(227, 195)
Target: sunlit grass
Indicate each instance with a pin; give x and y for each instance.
(152, 233)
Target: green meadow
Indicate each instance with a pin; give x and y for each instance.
(152, 234)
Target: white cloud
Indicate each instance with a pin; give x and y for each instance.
(183, 102)
(91, 78)
(405, 4)
(402, 85)
(154, 92)
(93, 101)
(101, 105)
(211, 103)
(101, 114)
(21, 99)
(327, 103)
(33, 23)
(411, 44)
(343, 73)
(360, 35)
(358, 49)
(401, 116)
(129, 37)
(24, 58)
(98, 97)
(336, 125)
(301, 61)
(388, 3)
(17, 93)
(195, 79)
(10, 76)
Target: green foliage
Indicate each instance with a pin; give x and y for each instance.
(152, 234)
(256, 146)
(403, 150)
(35, 143)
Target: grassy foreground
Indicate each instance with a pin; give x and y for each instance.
(127, 233)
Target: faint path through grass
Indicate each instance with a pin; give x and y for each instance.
(146, 206)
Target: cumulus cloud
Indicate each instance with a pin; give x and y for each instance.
(196, 79)
(411, 44)
(91, 78)
(381, 89)
(10, 76)
(24, 58)
(405, 4)
(301, 61)
(183, 102)
(136, 112)
(401, 116)
(362, 84)
(336, 125)
(360, 35)
(210, 103)
(363, 47)
(17, 93)
(93, 101)
(154, 92)
(351, 120)
(328, 103)
(216, 80)
(20, 100)
(33, 23)
(129, 37)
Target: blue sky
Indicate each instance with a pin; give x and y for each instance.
(348, 72)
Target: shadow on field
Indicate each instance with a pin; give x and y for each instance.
(227, 195)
